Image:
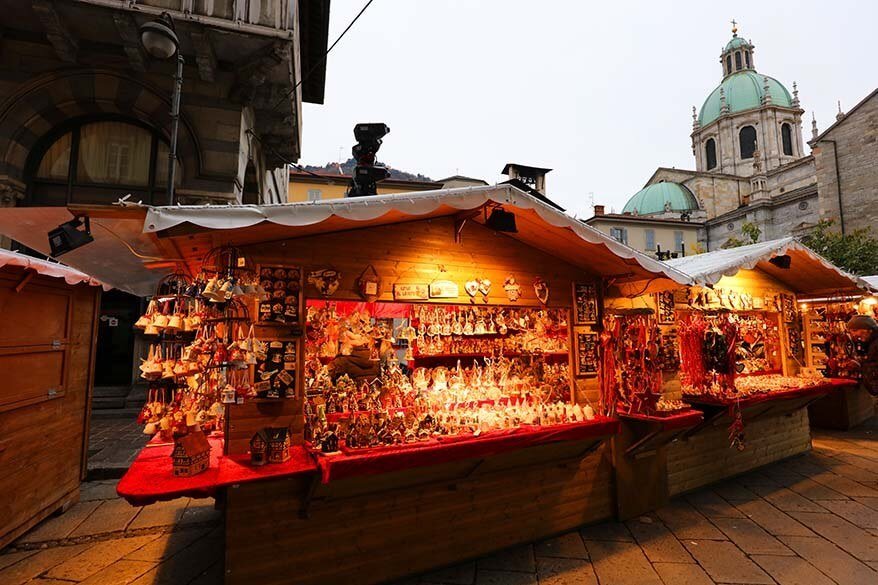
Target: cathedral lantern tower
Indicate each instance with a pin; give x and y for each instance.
(749, 114)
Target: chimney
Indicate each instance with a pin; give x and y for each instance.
(598, 209)
(533, 177)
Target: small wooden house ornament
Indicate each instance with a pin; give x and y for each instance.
(278, 444)
(259, 449)
(369, 284)
(191, 454)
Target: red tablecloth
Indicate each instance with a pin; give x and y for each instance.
(829, 385)
(150, 478)
(680, 420)
(448, 449)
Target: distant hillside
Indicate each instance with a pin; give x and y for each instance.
(347, 168)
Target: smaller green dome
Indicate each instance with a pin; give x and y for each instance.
(661, 197)
(736, 43)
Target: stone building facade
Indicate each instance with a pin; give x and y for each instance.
(85, 111)
(846, 156)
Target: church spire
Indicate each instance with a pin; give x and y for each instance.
(840, 114)
(737, 54)
(795, 101)
(814, 132)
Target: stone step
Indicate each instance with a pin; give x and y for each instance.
(111, 391)
(107, 402)
(122, 413)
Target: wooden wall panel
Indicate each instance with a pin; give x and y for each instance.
(244, 420)
(707, 457)
(43, 445)
(370, 530)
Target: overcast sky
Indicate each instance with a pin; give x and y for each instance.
(600, 92)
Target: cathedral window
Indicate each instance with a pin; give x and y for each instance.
(786, 136)
(710, 153)
(728, 64)
(737, 60)
(619, 234)
(650, 240)
(747, 58)
(678, 241)
(747, 137)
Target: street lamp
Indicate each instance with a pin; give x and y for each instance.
(159, 40)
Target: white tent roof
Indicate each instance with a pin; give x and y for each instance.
(809, 273)
(872, 280)
(132, 242)
(46, 268)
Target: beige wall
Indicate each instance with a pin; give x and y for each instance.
(336, 190)
(664, 234)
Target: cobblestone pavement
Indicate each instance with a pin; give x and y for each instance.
(810, 520)
(113, 443)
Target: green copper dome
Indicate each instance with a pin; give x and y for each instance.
(653, 199)
(736, 43)
(743, 91)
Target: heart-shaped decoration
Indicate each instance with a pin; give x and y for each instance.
(471, 287)
(541, 289)
(484, 286)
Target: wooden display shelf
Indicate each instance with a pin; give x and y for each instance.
(652, 432)
(440, 356)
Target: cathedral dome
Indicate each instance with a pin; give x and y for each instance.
(660, 198)
(743, 90)
(736, 43)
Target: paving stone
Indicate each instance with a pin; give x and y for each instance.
(214, 575)
(96, 558)
(110, 516)
(12, 558)
(658, 543)
(34, 565)
(607, 531)
(519, 558)
(464, 574)
(556, 571)
(188, 563)
(732, 491)
(620, 563)
(199, 512)
(873, 564)
(839, 531)
(772, 519)
(98, 490)
(791, 570)
(756, 479)
(60, 527)
(160, 514)
(712, 505)
(750, 537)
(844, 485)
(119, 573)
(569, 546)
(725, 563)
(831, 560)
(682, 574)
(786, 499)
(505, 578)
(46, 581)
(854, 512)
(870, 502)
(812, 490)
(687, 523)
(167, 545)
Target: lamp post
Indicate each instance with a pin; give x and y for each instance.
(159, 40)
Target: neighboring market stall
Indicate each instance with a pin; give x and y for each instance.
(49, 318)
(743, 358)
(414, 379)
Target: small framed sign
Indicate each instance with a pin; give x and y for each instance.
(585, 299)
(283, 287)
(443, 289)
(586, 354)
(411, 292)
(664, 302)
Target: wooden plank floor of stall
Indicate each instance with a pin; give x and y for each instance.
(844, 409)
(371, 529)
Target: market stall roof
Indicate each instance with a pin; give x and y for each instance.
(872, 280)
(46, 268)
(539, 225)
(808, 273)
(134, 245)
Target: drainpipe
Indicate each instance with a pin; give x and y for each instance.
(837, 182)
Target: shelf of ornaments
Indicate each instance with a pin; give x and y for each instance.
(557, 332)
(508, 354)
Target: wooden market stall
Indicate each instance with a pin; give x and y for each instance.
(49, 318)
(432, 359)
(743, 361)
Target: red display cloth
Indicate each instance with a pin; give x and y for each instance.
(389, 459)
(680, 420)
(151, 479)
(378, 310)
(826, 387)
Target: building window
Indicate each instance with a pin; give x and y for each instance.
(728, 64)
(97, 161)
(710, 153)
(619, 234)
(737, 60)
(786, 136)
(747, 58)
(678, 241)
(747, 137)
(314, 194)
(650, 240)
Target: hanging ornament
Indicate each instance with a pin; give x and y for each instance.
(512, 288)
(484, 288)
(326, 281)
(541, 289)
(369, 284)
(471, 287)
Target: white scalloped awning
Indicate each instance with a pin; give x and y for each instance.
(808, 274)
(539, 226)
(45, 268)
